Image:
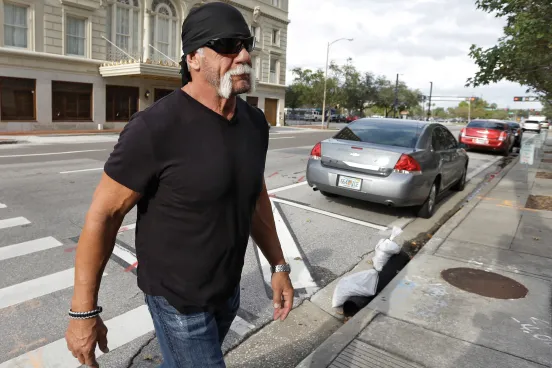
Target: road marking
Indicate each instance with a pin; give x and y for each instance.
(241, 326)
(122, 330)
(21, 249)
(83, 170)
(124, 254)
(51, 153)
(282, 138)
(122, 229)
(479, 170)
(15, 221)
(330, 214)
(300, 275)
(35, 288)
(281, 189)
(2, 205)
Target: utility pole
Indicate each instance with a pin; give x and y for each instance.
(429, 107)
(396, 102)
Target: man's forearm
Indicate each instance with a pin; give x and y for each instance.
(93, 251)
(263, 230)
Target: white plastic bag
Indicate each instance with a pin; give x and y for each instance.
(362, 283)
(385, 249)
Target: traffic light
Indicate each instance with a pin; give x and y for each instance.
(518, 99)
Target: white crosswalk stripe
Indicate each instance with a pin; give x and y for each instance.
(123, 328)
(11, 222)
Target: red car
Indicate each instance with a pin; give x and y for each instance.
(488, 135)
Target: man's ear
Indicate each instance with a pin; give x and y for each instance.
(193, 61)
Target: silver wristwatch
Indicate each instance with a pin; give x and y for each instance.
(281, 268)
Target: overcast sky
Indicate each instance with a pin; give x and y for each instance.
(423, 40)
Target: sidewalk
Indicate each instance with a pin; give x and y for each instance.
(499, 254)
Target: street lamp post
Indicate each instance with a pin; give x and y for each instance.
(429, 106)
(326, 78)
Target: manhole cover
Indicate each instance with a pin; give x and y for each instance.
(544, 175)
(484, 283)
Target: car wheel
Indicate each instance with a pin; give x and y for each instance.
(327, 194)
(427, 209)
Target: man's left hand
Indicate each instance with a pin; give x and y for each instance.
(282, 295)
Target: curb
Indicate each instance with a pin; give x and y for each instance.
(326, 353)
(448, 227)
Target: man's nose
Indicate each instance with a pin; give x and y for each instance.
(243, 57)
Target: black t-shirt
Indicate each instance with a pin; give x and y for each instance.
(200, 176)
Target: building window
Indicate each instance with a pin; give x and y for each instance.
(276, 37)
(75, 32)
(17, 97)
(273, 71)
(276, 3)
(164, 33)
(71, 101)
(121, 102)
(256, 32)
(159, 93)
(257, 67)
(16, 29)
(123, 29)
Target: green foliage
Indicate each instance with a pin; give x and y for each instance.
(350, 89)
(524, 53)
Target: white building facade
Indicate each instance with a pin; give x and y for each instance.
(91, 64)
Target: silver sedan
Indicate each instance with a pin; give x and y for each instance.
(389, 161)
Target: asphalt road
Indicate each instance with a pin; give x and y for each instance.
(45, 190)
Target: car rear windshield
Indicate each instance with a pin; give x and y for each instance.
(532, 121)
(388, 134)
(486, 125)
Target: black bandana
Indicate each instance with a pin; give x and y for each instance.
(208, 22)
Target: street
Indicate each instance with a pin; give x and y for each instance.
(46, 188)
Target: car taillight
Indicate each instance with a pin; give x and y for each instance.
(502, 136)
(316, 152)
(407, 164)
(463, 132)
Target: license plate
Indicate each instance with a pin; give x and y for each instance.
(481, 141)
(348, 182)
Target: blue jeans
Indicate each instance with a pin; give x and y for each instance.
(192, 340)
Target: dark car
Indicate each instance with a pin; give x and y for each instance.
(517, 130)
(492, 135)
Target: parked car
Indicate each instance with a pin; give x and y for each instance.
(545, 124)
(389, 161)
(492, 135)
(517, 131)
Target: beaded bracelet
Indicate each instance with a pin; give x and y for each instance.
(85, 315)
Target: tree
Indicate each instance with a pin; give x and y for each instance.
(547, 109)
(523, 54)
(293, 96)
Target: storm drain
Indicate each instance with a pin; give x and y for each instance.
(544, 175)
(484, 283)
(359, 354)
(538, 202)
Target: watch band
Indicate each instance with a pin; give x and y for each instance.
(281, 268)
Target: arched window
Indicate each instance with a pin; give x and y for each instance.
(164, 34)
(123, 27)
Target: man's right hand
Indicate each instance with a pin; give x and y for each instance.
(82, 336)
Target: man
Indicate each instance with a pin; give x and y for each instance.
(193, 163)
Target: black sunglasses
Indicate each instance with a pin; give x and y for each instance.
(231, 45)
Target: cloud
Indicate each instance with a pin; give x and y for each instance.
(423, 40)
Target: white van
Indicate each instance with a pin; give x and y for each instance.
(313, 116)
